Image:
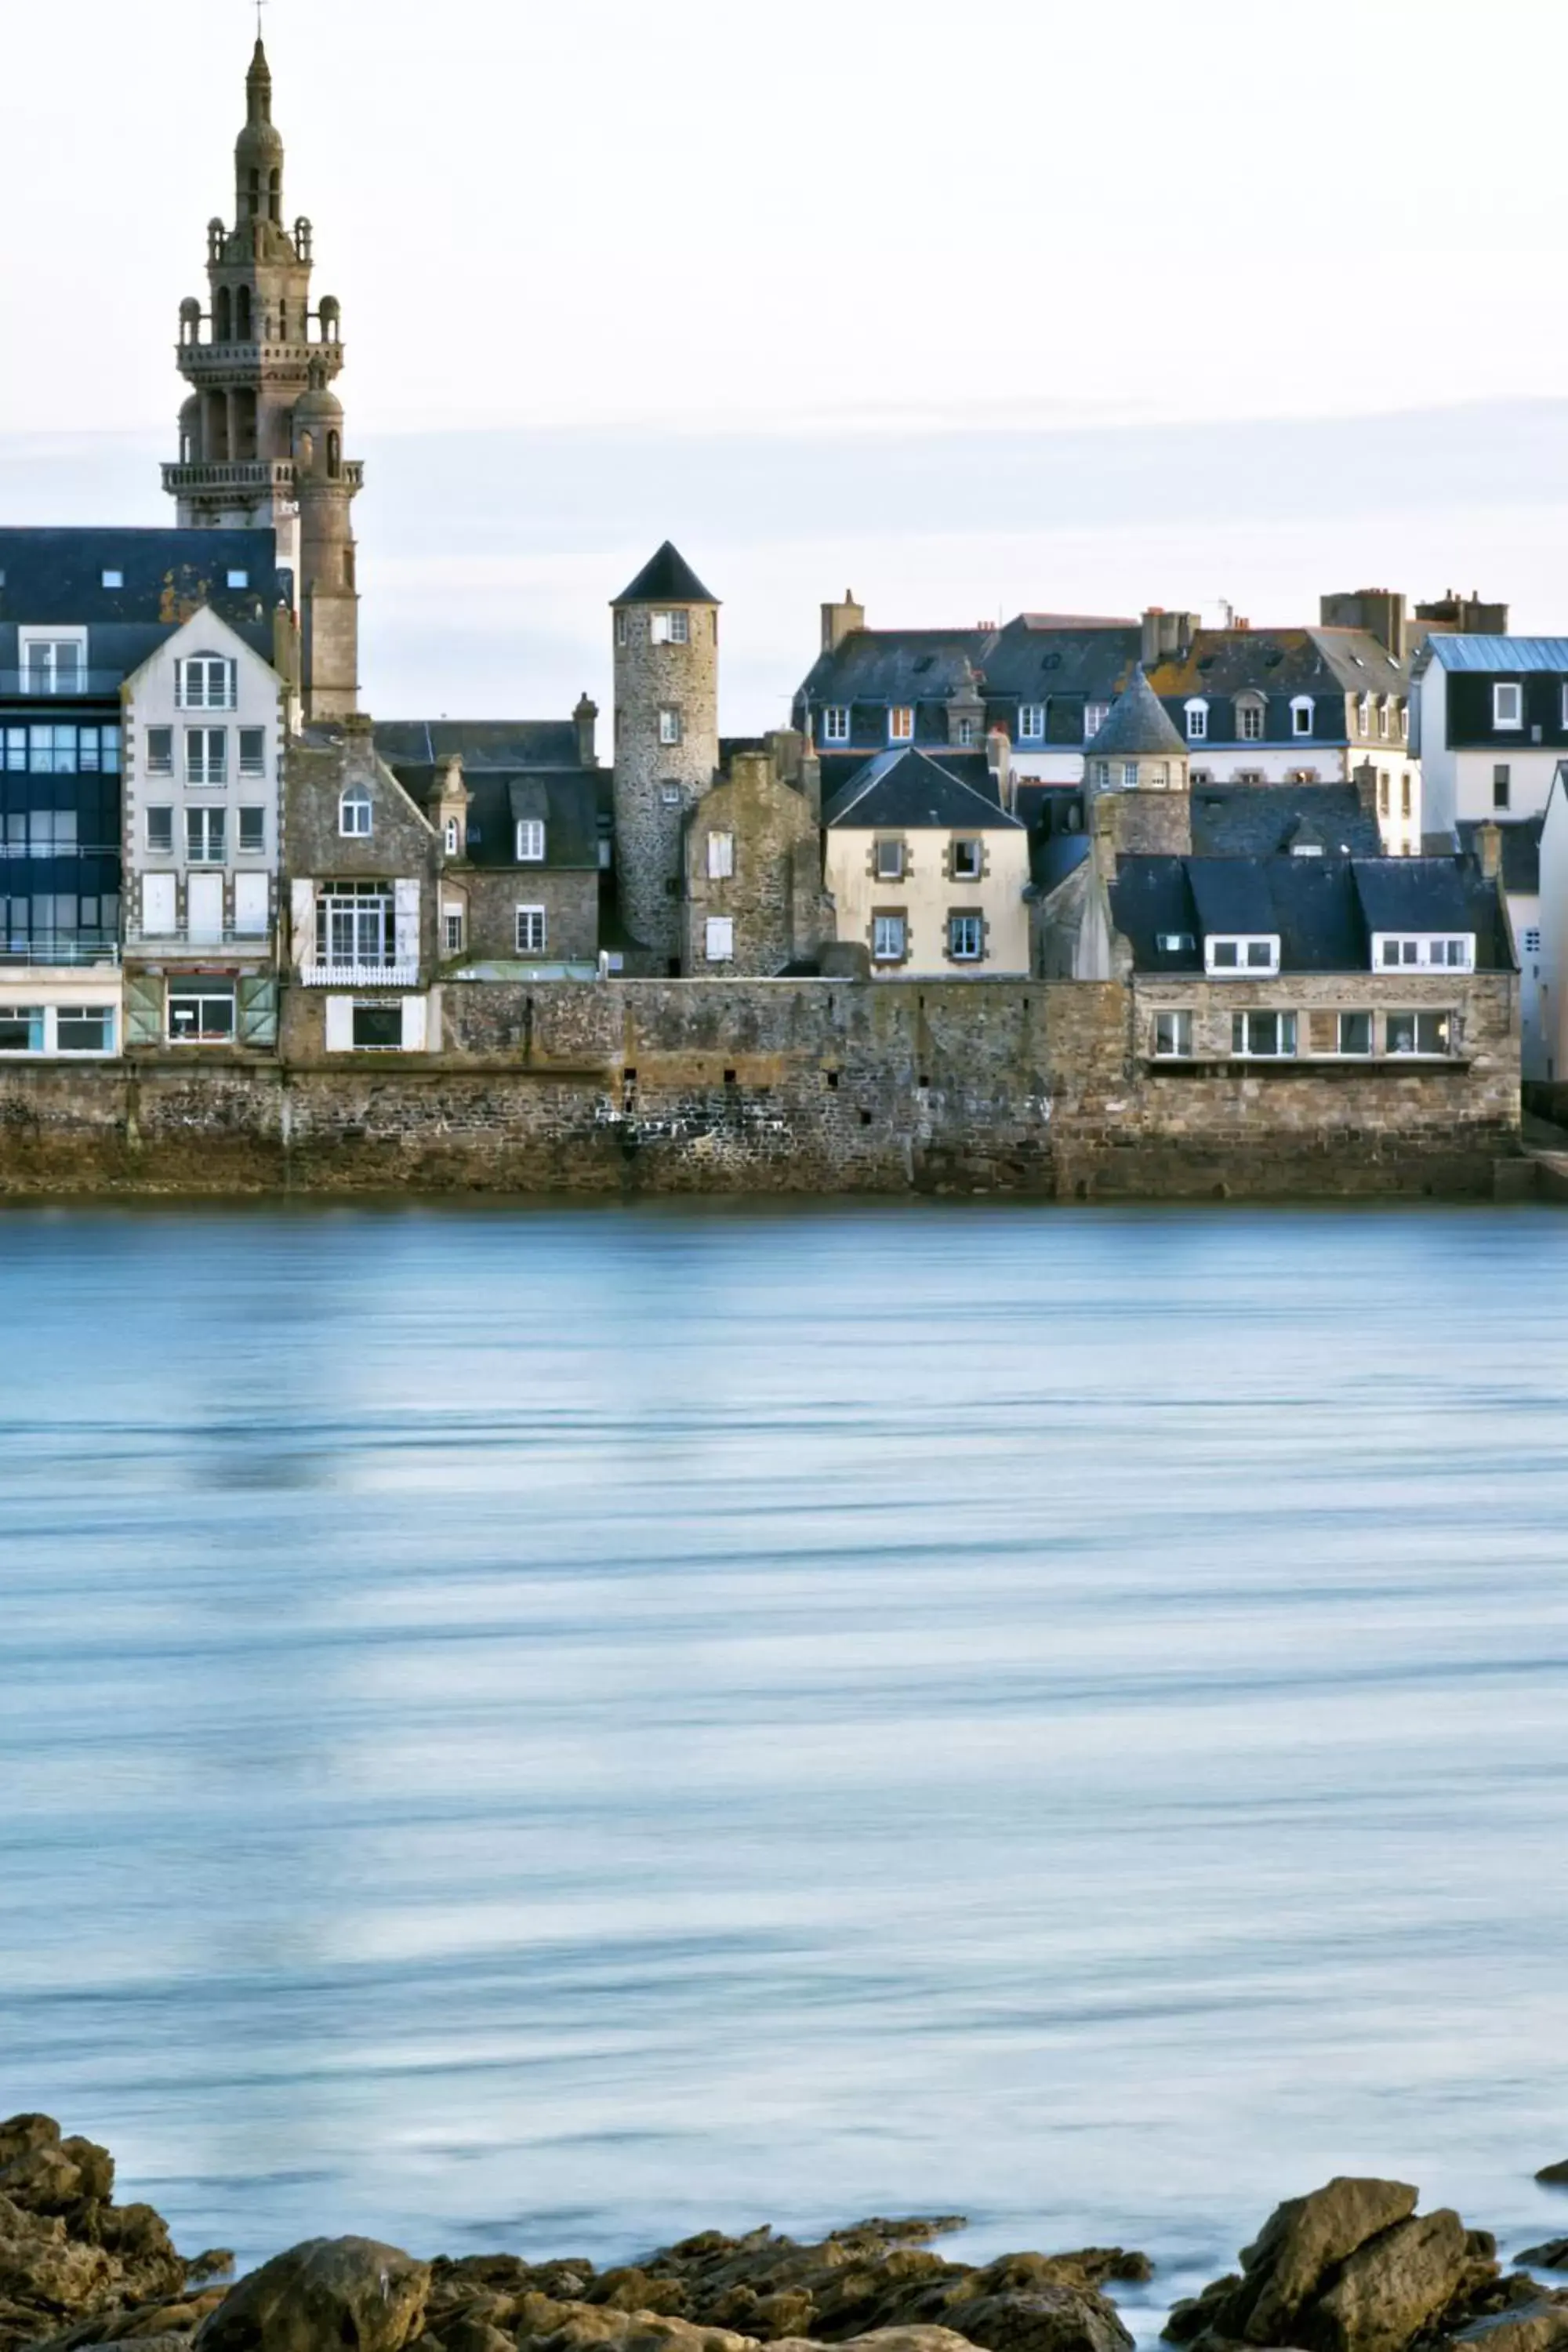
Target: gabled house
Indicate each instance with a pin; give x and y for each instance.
(754, 903)
(927, 869)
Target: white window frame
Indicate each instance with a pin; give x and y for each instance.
(529, 841)
(1095, 715)
(1031, 722)
(670, 628)
(972, 927)
(207, 682)
(50, 677)
(253, 762)
(1130, 775)
(1364, 716)
(1176, 942)
(355, 802)
(670, 726)
(901, 723)
(1303, 711)
(1197, 716)
(449, 836)
(1383, 727)
(1423, 952)
(1246, 1052)
(243, 848)
(1415, 1051)
(206, 756)
(1355, 1053)
(881, 932)
(1176, 1043)
(452, 930)
(206, 822)
(160, 763)
(1249, 717)
(203, 991)
(1244, 944)
(836, 722)
(526, 922)
(719, 939)
(160, 848)
(721, 856)
(881, 872)
(974, 872)
(1501, 689)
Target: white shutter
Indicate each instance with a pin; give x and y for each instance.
(250, 905)
(405, 908)
(720, 941)
(339, 1013)
(203, 908)
(158, 906)
(302, 922)
(414, 1024)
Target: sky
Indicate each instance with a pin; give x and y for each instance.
(1060, 307)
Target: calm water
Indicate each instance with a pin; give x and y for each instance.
(555, 1728)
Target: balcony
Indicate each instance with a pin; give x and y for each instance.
(82, 951)
(60, 685)
(258, 476)
(183, 940)
(359, 975)
(209, 362)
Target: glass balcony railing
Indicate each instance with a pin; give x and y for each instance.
(78, 683)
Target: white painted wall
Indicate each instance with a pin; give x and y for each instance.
(926, 892)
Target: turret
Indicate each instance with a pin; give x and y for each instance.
(666, 739)
(258, 150)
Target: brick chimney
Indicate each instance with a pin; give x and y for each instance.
(1488, 849)
(586, 719)
(841, 621)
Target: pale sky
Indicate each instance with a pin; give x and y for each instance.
(583, 249)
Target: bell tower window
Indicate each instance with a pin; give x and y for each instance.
(334, 455)
(275, 198)
(222, 315)
(242, 315)
(254, 198)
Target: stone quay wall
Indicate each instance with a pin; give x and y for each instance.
(810, 1087)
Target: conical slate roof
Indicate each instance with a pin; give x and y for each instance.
(1138, 727)
(668, 580)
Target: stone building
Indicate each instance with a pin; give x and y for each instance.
(754, 902)
(667, 742)
(928, 867)
(261, 433)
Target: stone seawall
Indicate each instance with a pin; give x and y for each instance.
(809, 1087)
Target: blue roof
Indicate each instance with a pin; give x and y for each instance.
(1500, 652)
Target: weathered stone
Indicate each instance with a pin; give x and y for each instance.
(21, 2134)
(1301, 2244)
(1533, 2327)
(327, 2291)
(1555, 2175)
(1389, 2289)
(1197, 2314)
(1551, 2256)
(43, 2180)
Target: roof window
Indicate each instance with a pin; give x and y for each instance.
(1245, 955)
(239, 579)
(113, 578)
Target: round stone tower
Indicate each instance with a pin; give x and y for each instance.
(256, 359)
(666, 739)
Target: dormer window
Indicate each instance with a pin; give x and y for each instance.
(53, 663)
(671, 629)
(452, 833)
(1197, 721)
(901, 723)
(1249, 722)
(1032, 722)
(835, 723)
(530, 841)
(239, 579)
(1508, 705)
(1302, 710)
(1423, 952)
(1363, 715)
(114, 579)
(1095, 715)
(1255, 955)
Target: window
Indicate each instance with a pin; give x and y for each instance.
(200, 1013)
(205, 682)
(719, 939)
(1174, 1036)
(206, 755)
(1301, 713)
(889, 933)
(1197, 722)
(160, 750)
(242, 579)
(1101, 774)
(354, 814)
(1404, 796)
(530, 841)
(621, 632)
(531, 931)
(1508, 705)
(84, 1029)
(900, 724)
(1130, 774)
(968, 860)
(1249, 722)
(965, 938)
(1420, 1033)
(54, 664)
(835, 723)
(1095, 715)
(378, 1026)
(449, 836)
(671, 629)
(253, 751)
(21, 1028)
(1503, 782)
(1383, 719)
(252, 831)
(1405, 723)
(355, 925)
(668, 724)
(888, 861)
(1031, 722)
(1263, 1036)
(1354, 1033)
(452, 931)
(966, 730)
(113, 579)
(670, 795)
(1426, 954)
(1174, 942)
(1363, 715)
(205, 835)
(721, 856)
(1237, 955)
(1382, 795)
(161, 832)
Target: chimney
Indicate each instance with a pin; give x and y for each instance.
(586, 718)
(999, 759)
(1365, 781)
(841, 621)
(1167, 637)
(1488, 849)
(1105, 834)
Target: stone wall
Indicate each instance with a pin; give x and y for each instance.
(569, 897)
(811, 1087)
(655, 783)
(772, 896)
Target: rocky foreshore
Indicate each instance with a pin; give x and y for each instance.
(1353, 2267)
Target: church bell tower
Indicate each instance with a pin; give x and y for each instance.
(261, 433)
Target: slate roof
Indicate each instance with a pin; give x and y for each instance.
(1520, 853)
(1222, 663)
(52, 578)
(908, 789)
(512, 768)
(1036, 655)
(1260, 820)
(1137, 727)
(666, 579)
(1504, 654)
(481, 742)
(1323, 910)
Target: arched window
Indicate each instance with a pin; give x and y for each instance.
(335, 454)
(222, 315)
(254, 194)
(283, 323)
(242, 314)
(354, 814)
(275, 196)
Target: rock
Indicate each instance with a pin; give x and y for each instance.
(328, 2293)
(20, 2135)
(1390, 2288)
(1301, 2244)
(1554, 2176)
(1551, 2256)
(1532, 2327)
(216, 2262)
(1196, 2314)
(1046, 2318)
(42, 2180)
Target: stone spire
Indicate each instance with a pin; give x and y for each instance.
(258, 150)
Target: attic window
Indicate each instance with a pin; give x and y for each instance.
(923, 665)
(1257, 953)
(1174, 942)
(114, 579)
(239, 579)
(1508, 705)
